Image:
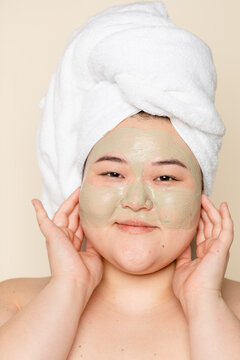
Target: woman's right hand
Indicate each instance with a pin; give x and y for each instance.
(64, 236)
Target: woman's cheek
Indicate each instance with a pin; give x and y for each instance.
(178, 208)
(97, 205)
(175, 208)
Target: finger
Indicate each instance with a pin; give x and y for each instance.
(200, 250)
(74, 219)
(77, 242)
(66, 208)
(208, 226)
(46, 225)
(200, 234)
(213, 215)
(79, 232)
(61, 216)
(227, 232)
(184, 257)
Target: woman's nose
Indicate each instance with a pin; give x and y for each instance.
(137, 197)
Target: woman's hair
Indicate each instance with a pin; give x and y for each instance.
(143, 115)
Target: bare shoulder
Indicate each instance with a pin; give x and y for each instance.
(231, 295)
(17, 292)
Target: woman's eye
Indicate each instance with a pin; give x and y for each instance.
(110, 172)
(166, 178)
(163, 177)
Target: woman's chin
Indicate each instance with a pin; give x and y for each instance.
(136, 261)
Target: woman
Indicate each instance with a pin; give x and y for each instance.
(132, 298)
(135, 292)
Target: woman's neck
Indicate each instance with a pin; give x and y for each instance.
(136, 294)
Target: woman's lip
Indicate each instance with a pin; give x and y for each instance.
(135, 229)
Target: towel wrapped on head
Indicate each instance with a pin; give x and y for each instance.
(123, 60)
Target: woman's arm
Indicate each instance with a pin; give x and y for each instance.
(214, 329)
(45, 328)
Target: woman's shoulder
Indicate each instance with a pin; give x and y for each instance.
(231, 295)
(15, 293)
(19, 291)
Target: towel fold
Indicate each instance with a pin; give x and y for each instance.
(123, 60)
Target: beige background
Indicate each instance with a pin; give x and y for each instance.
(33, 35)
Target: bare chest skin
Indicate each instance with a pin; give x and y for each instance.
(105, 334)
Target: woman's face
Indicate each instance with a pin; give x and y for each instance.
(165, 195)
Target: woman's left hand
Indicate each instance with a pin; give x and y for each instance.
(204, 275)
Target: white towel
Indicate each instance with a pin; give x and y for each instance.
(123, 60)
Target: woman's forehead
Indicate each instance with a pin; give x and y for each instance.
(145, 125)
(142, 143)
(137, 122)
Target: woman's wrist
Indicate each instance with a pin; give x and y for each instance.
(214, 329)
(82, 292)
(197, 303)
(66, 279)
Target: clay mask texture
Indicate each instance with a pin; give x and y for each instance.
(175, 204)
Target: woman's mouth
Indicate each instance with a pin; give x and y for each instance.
(135, 229)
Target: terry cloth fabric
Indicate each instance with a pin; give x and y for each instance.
(123, 60)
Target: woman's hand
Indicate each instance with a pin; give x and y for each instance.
(203, 276)
(64, 236)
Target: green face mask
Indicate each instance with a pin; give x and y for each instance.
(172, 204)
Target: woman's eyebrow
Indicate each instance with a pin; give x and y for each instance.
(111, 158)
(169, 162)
(155, 163)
